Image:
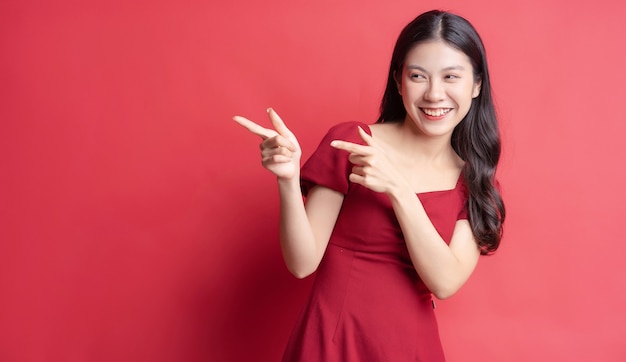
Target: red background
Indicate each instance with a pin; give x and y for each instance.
(136, 223)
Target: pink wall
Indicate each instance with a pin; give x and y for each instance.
(136, 223)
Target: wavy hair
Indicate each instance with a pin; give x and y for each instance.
(476, 138)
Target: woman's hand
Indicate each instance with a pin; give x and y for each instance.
(280, 151)
(371, 166)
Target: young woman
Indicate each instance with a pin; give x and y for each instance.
(396, 211)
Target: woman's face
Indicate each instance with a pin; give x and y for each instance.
(437, 87)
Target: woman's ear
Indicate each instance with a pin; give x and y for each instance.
(476, 90)
(398, 82)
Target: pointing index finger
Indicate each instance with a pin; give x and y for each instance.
(349, 146)
(262, 132)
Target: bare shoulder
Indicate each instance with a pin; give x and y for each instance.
(384, 127)
(385, 131)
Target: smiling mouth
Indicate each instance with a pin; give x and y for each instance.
(436, 112)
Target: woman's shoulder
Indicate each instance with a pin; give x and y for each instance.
(385, 128)
(349, 126)
(348, 131)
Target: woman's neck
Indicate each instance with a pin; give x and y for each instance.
(429, 149)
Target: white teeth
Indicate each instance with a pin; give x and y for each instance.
(437, 112)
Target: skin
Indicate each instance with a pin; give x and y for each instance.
(399, 160)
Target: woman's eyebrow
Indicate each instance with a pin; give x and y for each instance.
(453, 67)
(417, 67)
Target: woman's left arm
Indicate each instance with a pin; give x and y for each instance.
(444, 268)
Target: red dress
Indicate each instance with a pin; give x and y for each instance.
(367, 302)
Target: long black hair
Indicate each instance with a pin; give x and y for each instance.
(476, 138)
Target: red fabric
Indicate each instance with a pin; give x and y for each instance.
(367, 302)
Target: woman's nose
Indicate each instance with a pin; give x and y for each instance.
(435, 91)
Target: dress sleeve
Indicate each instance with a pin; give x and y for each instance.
(328, 166)
(464, 194)
(464, 198)
(463, 213)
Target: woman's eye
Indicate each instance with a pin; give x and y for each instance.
(417, 76)
(452, 76)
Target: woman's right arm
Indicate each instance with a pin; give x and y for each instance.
(304, 230)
